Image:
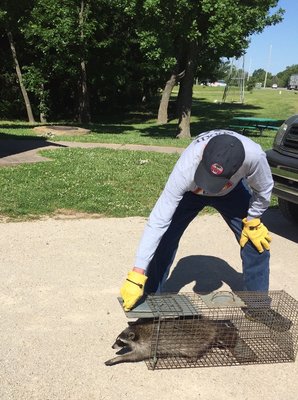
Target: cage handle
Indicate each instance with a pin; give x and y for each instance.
(226, 293)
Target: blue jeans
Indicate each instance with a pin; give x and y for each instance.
(233, 208)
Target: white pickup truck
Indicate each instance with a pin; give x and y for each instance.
(293, 82)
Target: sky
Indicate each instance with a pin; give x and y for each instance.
(277, 46)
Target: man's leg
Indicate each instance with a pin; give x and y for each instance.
(188, 208)
(255, 265)
(233, 207)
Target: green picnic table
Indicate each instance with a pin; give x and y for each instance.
(255, 124)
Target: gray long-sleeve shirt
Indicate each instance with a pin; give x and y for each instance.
(255, 170)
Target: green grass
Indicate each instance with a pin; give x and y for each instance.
(118, 184)
(107, 182)
(207, 113)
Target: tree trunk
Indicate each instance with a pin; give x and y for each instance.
(42, 105)
(164, 102)
(20, 79)
(84, 105)
(185, 94)
(166, 95)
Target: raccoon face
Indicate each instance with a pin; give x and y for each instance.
(118, 344)
(124, 339)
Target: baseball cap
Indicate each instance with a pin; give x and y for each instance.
(222, 157)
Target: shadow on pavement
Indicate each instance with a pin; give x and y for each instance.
(278, 224)
(207, 272)
(9, 147)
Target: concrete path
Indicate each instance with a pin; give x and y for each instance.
(59, 314)
(19, 151)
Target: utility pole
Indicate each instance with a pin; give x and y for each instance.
(249, 69)
(268, 65)
(242, 82)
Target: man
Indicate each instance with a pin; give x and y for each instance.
(222, 169)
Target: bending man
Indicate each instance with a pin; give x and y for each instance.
(221, 169)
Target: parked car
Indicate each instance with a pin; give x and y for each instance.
(218, 83)
(283, 161)
(274, 86)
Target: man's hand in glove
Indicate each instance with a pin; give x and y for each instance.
(257, 233)
(132, 289)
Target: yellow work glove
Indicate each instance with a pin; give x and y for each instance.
(132, 289)
(257, 233)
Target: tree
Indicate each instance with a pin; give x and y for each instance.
(284, 76)
(259, 75)
(60, 33)
(200, 32)
(80, 58)
(84, 107)
(10, 13)
(88, 54)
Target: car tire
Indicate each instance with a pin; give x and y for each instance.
(289, 210)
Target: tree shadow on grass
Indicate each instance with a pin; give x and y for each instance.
(17, 126)
(97, 128)
(206, 116)
(112, 129)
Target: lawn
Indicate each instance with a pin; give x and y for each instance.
(122, 183)
(107, 182)
(208, 112)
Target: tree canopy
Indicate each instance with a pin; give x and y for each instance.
(81, 58)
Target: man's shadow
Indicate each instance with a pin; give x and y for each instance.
(278, 224)
(208, 274)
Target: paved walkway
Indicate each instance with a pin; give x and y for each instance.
(59, 313)
(19, 151)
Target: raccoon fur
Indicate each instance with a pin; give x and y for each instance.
(182, 337)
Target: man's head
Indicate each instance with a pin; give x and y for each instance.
(222, 157)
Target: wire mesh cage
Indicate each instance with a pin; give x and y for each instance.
(195, 330)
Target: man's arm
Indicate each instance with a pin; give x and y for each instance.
(159, 220)
(261, 182)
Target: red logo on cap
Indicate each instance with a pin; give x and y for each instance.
(216, 169)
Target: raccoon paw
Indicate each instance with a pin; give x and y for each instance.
(109, 362)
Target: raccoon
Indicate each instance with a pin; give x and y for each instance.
(188, 338)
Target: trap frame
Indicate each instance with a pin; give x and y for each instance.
(194, 330)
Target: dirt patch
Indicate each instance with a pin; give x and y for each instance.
(72, 214)
(61, 214)
(60, 130)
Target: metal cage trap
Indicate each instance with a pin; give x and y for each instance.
(218, 329)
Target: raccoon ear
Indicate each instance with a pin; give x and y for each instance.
(131, 335)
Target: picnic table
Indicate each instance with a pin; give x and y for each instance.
(255, 124)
